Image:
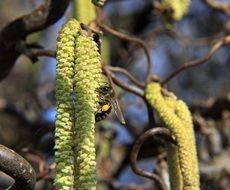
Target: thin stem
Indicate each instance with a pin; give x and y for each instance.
(199, 61)
(120, 83)
(41, 52)
(134, 40)
(127, 74)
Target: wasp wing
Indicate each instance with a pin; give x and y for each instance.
(117, 110)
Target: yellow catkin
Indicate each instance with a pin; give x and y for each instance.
(179, 7)
(176, 180)
(84, 11)
(64, 107)
(88, 76)
(79, 75)
(176, 116)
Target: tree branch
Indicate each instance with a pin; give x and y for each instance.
(18, 168)
(212, 51)
(15, 32)
(130, 38)
(129, 88)
(136, 148)
(128, 75)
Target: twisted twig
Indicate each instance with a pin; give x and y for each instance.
(130, 88)
(127, 74)
(136, 148)
(212, 51)
(131, 39)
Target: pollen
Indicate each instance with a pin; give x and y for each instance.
(105, 107)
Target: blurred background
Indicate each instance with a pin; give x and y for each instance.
(27, 111)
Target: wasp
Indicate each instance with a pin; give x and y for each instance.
(107, 101)
(106, 95)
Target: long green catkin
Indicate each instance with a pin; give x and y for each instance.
(79, 75)
(176, 116)
(87, 78)
(64, 107)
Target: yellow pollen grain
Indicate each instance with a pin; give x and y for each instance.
(105, 107)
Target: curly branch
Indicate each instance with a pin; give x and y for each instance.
(136, 148)
(131, 39)
(130, 88)
(128, 75)
(12, 35)
(212, 51)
